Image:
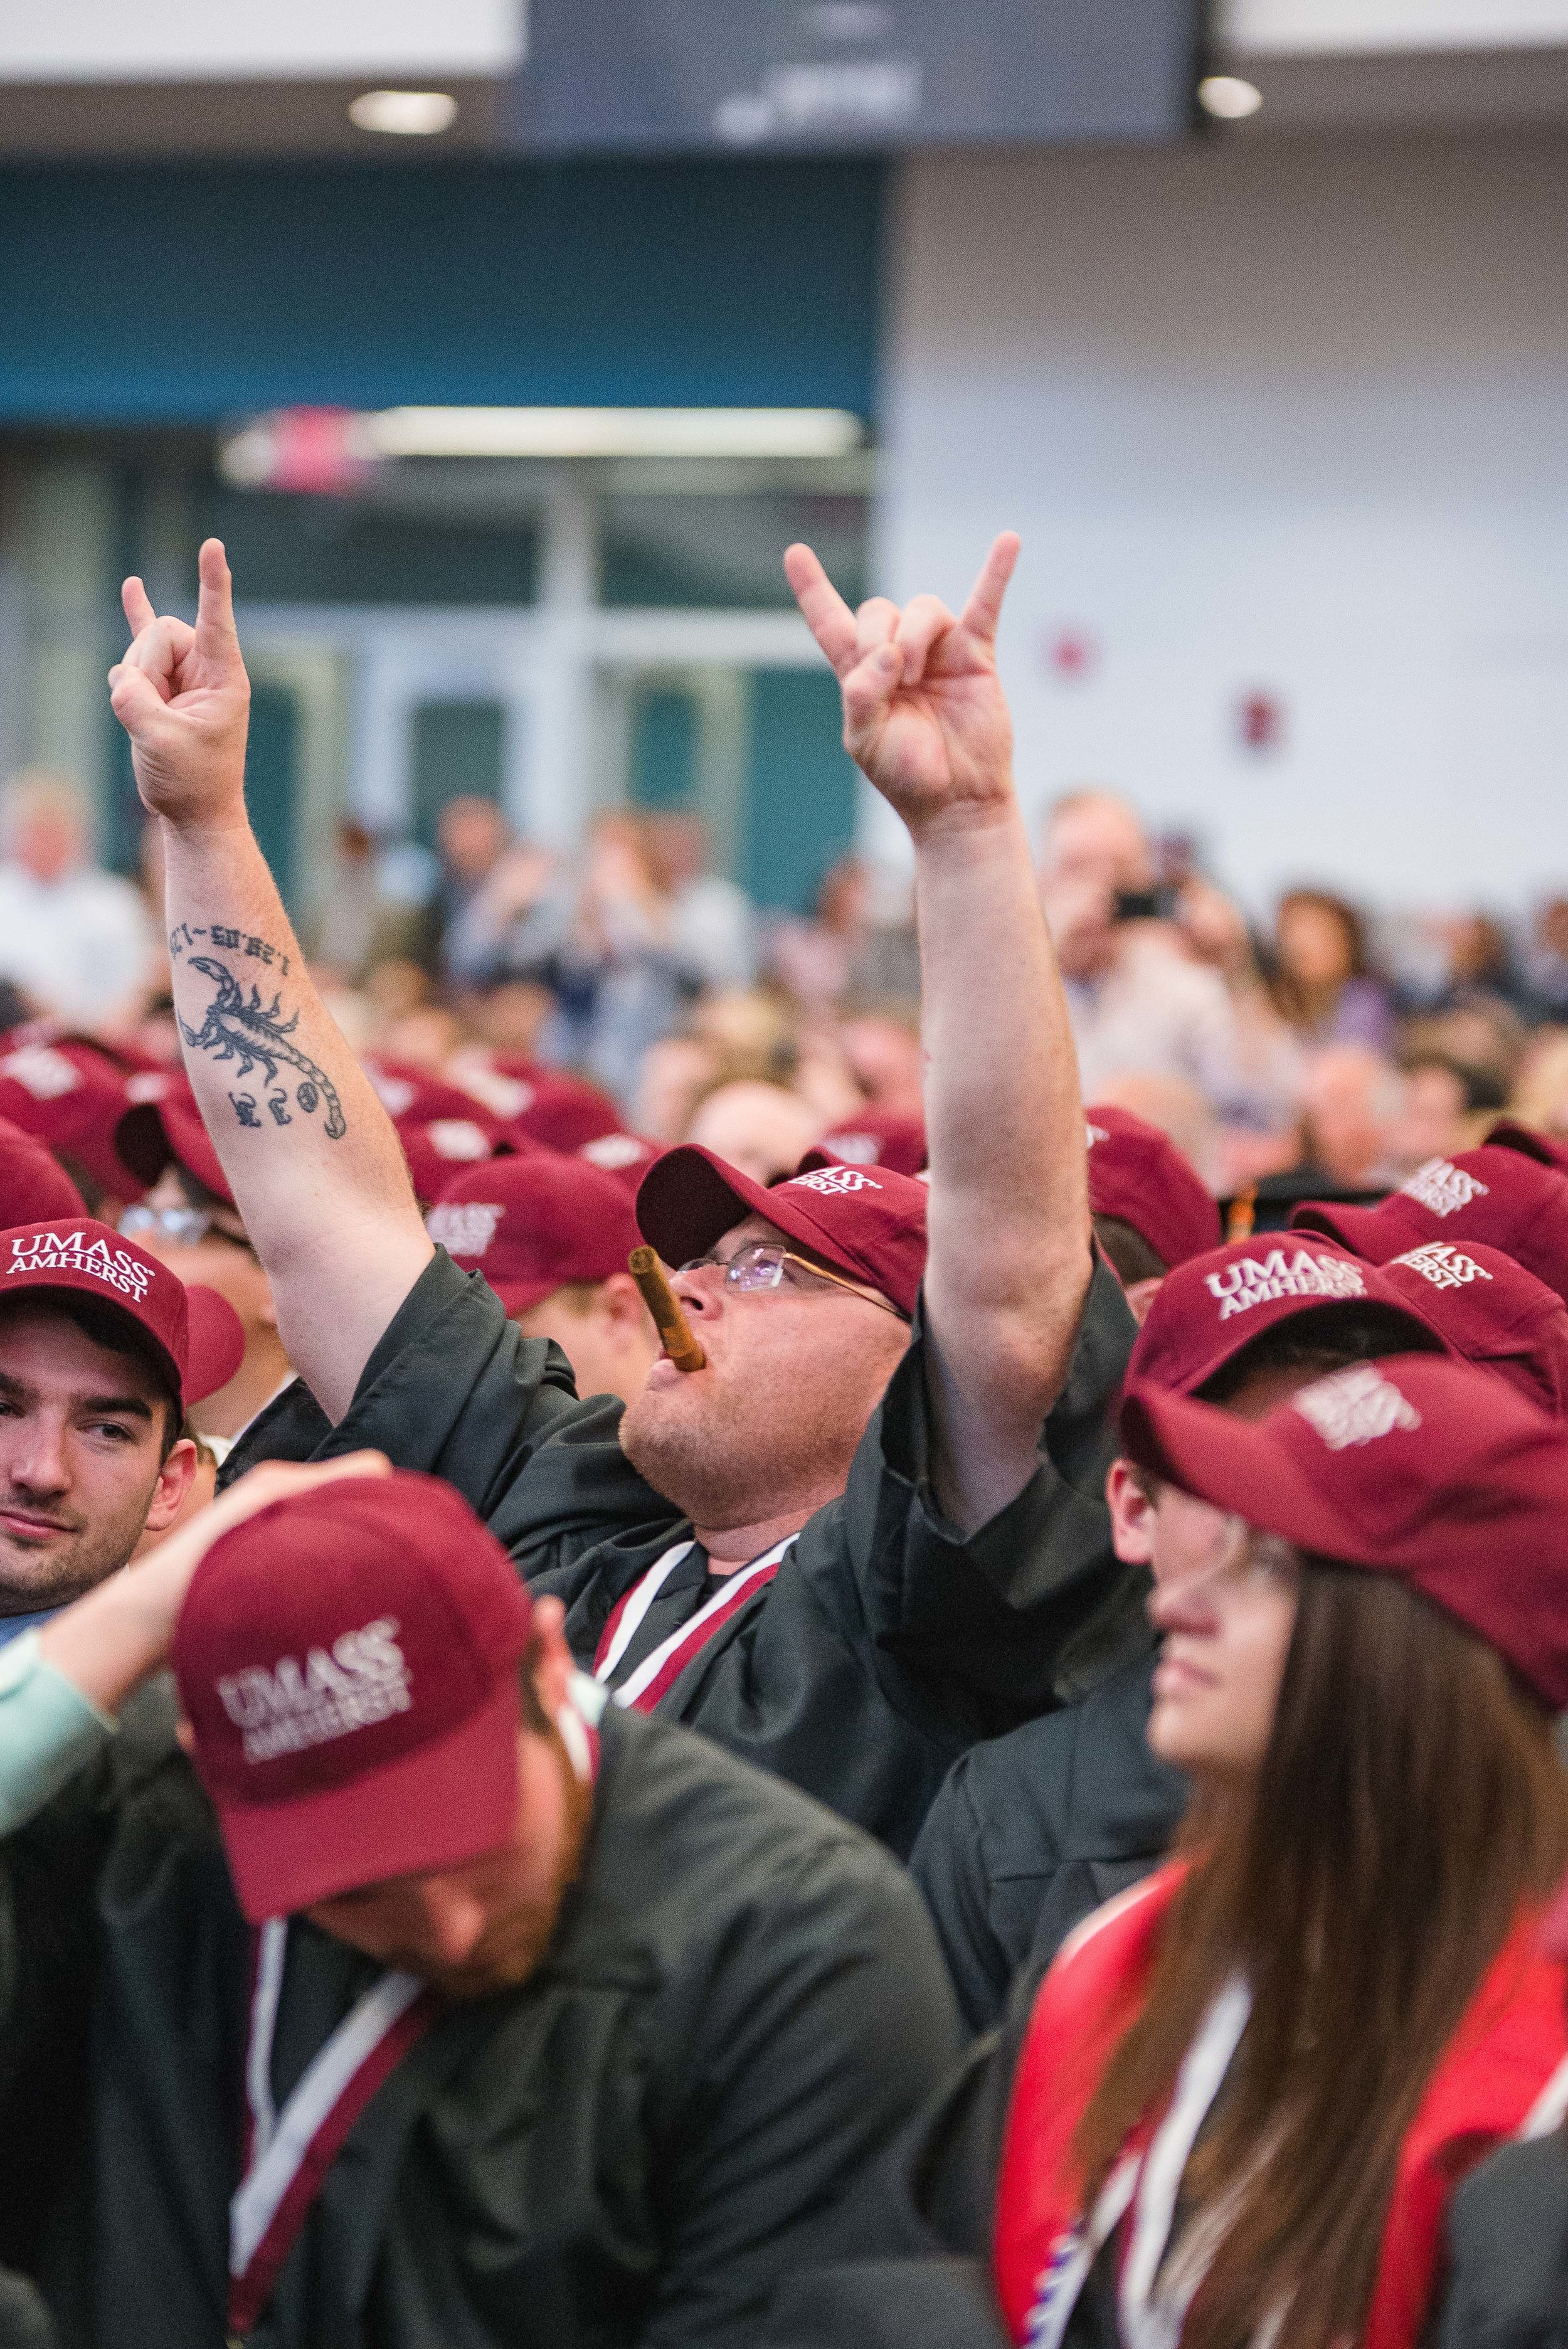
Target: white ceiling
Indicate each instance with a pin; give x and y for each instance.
(190, 40)
(1326, 28)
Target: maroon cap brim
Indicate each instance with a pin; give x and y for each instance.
(436, 1807)
(1233, 1463)
(214, 1344)
(689, 1199)
(1509, 1134)
(153, 1134)
(1375, 1234)
(522, 1296)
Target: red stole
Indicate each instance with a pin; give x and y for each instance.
(1497, 2070)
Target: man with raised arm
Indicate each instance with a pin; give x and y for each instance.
(870, 1528)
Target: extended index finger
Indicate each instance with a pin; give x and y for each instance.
(138, 604)
(823, 608)
(984, 608)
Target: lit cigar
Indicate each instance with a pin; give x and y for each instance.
(674, 1328)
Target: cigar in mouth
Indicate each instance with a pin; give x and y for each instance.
(674, 1330)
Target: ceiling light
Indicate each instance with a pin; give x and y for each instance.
(609, 432)
(1228, 99)
(405, 113)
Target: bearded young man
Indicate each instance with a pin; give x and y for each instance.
(870, 1527)
(551, 2026)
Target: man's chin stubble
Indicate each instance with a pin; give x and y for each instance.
(33, 1579)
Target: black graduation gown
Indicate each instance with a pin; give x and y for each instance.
(1032, 1831)
(742, 2002)
(886, 1644)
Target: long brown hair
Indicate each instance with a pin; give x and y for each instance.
(1408, 1802)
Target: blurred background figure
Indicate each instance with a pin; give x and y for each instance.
(471, 838)
(1323, 981)
(859, 941)
(713, 920)
(1354, 1103)
(73, 940)
(765, 1130)
(1146, 997)
(1449, 1105)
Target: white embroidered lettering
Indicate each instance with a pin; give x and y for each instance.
(464, 1226)
(282, 1709)
(42, 1071)
(833, 1179)
(614, 1151)
(1443, 1265)
(458, 1137)
(1442, 1188)
(74, 1252)
(1260, 1280)
(1355, 1406)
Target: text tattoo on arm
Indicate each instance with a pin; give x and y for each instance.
(255, 1034)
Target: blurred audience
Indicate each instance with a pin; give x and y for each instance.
(74, 940)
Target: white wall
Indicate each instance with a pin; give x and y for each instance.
(1284, 415)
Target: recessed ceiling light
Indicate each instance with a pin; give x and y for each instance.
(1229, 98)
(405, 113)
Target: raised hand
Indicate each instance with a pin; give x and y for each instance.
(925, 717)
(183, 698)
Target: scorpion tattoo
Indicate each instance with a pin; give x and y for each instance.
(257, 1035)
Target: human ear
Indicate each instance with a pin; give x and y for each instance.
(1132, 1515)
(174, 1482)
(550, 1659)
(1141, 1294)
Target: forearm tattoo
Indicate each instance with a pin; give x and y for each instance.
(254, 1033)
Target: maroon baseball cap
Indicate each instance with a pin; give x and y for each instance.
(556, 1108)
(1212, 1307)
(414, 1096)
(1546, 1149)
(1424, 1469)
(868, 1223)
(348, 1662)
(437, 1150)
(1503, 1197)
(533, 1223)
(1137, 1173)
(72, 1098)
(198, 1332)
(626, 1156)
(163, 1127)
(34, 1186)
(873, 1137)
(1493, 1312)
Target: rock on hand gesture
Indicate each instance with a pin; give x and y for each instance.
(183, 698)
(925, 717)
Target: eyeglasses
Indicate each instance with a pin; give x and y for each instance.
(1234, 1547)
(762, 1264)
(183, 1226)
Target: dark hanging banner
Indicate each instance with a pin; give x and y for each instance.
(764, 76)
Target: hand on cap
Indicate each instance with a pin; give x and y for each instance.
(183, 698)
(108, 1643)
(925, 717)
